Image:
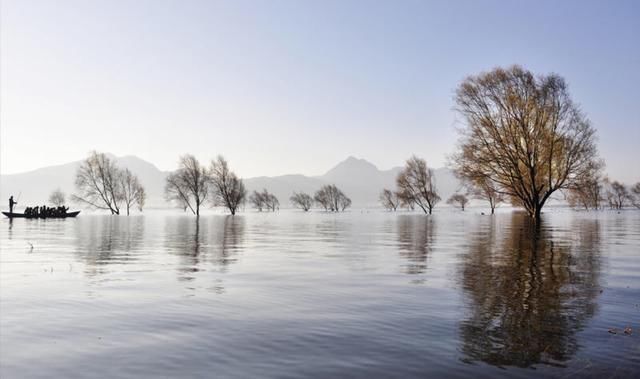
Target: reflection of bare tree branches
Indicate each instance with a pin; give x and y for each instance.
(196, 241)
(415, 237)
(529, 294)
(105, 240)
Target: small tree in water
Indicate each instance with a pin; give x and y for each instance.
(132, 191)
(416, 185)
(227, 189)
(188, 185)
(389, 199)
(331, 198)
(524, 135)
(57, 198)
(459, 200)
(302, 201)
(264, 200)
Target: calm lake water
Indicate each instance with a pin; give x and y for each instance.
(292, 295)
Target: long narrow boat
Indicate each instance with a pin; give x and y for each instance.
(22, 215)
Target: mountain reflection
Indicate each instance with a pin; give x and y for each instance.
(415, 238)
(196, 241)
(529, 291)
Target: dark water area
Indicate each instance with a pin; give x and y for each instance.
(294, 294)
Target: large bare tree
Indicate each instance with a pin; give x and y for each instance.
(416, 184)
(228, 190)
(389, 199)
(132, 191)
(98, 183)
(523, 134)
(189, 184)
(301, 200)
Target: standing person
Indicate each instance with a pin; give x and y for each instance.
(11, 204)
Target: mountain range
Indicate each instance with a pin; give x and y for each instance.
(357, 178)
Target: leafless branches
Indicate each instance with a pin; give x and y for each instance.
(97, 182)
(524, 135)
(416, 185)
(131, 190)
(389, 199)
(459, 200)
(57, 198)
(189, 184)
(302, 201)
(332, 199)
(264, 200)
(227, 189)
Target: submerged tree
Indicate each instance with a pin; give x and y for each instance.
(57, 198)
(617, 194)
(389, 199)
(271, 201)
(228, 190)
(141, 198)
(189, 184)
(332, 199)
(587, 190)
(459, 199)
(416, 184)
(302, 201)
(524, 135)
(264, 200)
(484, 189)
(97, 182)
(257, 200)
(132, 191)
(405, 200)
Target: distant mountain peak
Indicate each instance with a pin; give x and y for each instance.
(351, 166)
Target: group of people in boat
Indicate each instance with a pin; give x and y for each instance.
(44, 211)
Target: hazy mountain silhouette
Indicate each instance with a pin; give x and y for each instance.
(359, 179)
(34, 187)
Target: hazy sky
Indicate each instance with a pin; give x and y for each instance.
(295, 86)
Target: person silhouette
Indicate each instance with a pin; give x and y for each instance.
(11, 204)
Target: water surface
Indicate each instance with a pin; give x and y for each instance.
(292, 294)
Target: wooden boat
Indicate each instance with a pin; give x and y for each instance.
(22, 215)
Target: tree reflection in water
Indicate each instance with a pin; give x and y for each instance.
(108, 240)
(415, 238)
(195, 241)
(528, 292)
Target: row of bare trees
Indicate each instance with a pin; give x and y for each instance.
(597, 194)
(264, 200)
(329, 197)
(192, 184)
(101, 184)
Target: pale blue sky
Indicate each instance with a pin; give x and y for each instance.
(295, 86)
